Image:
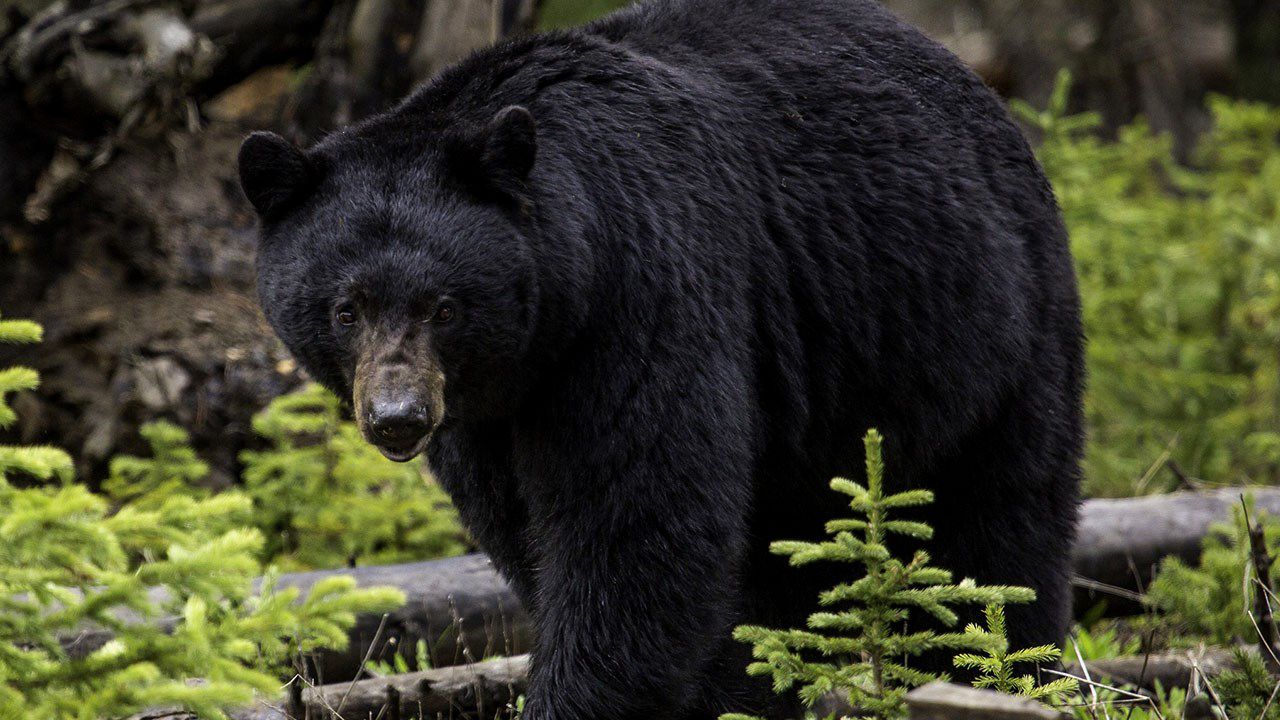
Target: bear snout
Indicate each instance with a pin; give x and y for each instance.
(396, 412)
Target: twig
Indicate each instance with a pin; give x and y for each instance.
(1208, 684)
(1265, 620)
(1141, 486)
(294, 707)
(377, 635)
(393, 703)
(1184, 481)
(1098, 586)
(1132, 699)
(1093, 691)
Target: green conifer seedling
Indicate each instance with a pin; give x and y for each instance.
(863, 649)
(321, 496)
(1248, 691)
(997, 670)
(1210, 601)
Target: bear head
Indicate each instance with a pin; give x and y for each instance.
(394, 264)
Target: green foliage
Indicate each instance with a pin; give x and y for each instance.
(173, 468)
(997, 670)
(1179, 273)
(1249, 692)
(325, 497)
(400, 664)
(1100, 644)
(320, 494)
(1210, 601)
(41, 463)
(1166, 705)
(569, 13)
(70, 566)
(862, 651)
(1213, 602)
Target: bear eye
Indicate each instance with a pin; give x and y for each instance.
(443, 314)
(346, 315)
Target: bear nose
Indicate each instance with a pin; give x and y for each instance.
(399, 424)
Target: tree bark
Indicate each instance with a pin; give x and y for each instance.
(1257, 32)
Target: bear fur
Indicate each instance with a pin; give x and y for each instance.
(694, 251)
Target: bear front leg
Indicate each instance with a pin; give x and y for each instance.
(640, 526)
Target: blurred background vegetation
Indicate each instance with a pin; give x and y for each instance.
(567, 13)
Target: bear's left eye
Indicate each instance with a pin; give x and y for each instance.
(346, 315)
(443, 314)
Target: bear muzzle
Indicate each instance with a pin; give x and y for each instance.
(399, 401)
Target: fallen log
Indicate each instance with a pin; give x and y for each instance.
(486, 690)
(1166, 669)
(458, 607)
(945, 701)
(464, 612)
(1120, 542)
(490, 689)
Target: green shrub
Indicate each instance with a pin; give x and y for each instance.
(1100, 643)
(69, 565)
(1179, 273)
(1249, 692)
(321, 495)
(172, 469)
(325, 497)
(1210, 602)
(863, 650)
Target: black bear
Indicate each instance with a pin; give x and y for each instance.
(638, 289)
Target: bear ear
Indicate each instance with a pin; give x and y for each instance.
(499, 157)
(274, 173)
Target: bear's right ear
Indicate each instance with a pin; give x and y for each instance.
(274, 173)
(496, 159)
